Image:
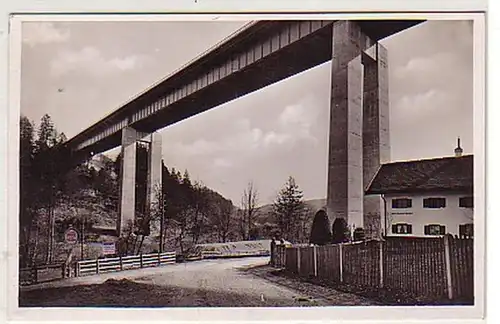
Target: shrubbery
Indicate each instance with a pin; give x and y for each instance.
(320, 230)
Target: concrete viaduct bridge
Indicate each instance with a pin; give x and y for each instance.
(259, 54)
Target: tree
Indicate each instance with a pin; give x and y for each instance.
(27, 206)
(320, 231)
(201, 207)
(340, 231)
(288, 208)
(46, 167)
(249, 202)
(305, 224)
(222, 218)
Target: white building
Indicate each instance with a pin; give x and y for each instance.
(426, 197)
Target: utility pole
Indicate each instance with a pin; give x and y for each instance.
(162, 220)
(81, 236)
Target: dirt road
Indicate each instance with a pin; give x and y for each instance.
(201, 283)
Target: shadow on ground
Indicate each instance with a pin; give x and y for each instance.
(127, 293)
(346, 293)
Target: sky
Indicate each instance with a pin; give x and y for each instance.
(78, 72)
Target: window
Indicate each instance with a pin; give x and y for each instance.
(434, 202)
(434, 229)
(401, 203)
(401, 228)
(466, 202)
(466, 230)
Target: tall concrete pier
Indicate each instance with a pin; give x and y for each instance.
(359, 122)
(127, 178)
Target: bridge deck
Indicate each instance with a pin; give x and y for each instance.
(258, 55)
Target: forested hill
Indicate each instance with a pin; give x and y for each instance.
(87, 197)
(187, 213)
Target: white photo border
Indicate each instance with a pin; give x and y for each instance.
(232, 314)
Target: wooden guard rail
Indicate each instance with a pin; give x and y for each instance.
(88, 267)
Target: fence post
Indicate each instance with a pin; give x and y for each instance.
(140, 258)
(284, 257)
(447, 261)
(315, 259)
(381, 263)
(298, 260)
(159, 258)
(340, 263)
(35, 274)
(97, 265)
(121, 263)
(282, 251)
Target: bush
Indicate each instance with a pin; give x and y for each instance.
(320, 229)
(340, 231)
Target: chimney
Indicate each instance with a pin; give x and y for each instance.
(458, 150)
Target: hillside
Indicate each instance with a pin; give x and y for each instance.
(265, 213)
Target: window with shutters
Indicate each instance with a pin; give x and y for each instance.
(434, 229)
(435, 202)
(466, 230)
(466, 202)
(401, 228)
(401, 203)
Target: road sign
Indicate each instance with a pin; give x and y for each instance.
(71, 236)
(108, 248)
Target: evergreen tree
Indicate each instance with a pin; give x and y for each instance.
(27, 198)
(320, 231)
(288, 208)
(340, 231)
(47, 135)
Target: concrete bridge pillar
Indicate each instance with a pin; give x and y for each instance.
(127, 177)
(154, 185)
(359, 128)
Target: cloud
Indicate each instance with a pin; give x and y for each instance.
(292, 126)
(91, 61)
(296, 121)
(43, 33)
(426, 65)
(273, 138)
(423, 105)
(199, 147)
(222, 163)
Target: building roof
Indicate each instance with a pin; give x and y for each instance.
(441, 174)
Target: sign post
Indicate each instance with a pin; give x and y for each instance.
(71, 236)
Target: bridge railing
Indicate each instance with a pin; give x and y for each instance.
(89, 267)
(235, 254)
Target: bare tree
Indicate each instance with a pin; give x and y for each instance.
(222, 218)
(157, 213)
(305, 223)
(249, 202)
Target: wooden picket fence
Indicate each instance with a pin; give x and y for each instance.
(423, 267)
(89, 267)
(41, 273)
